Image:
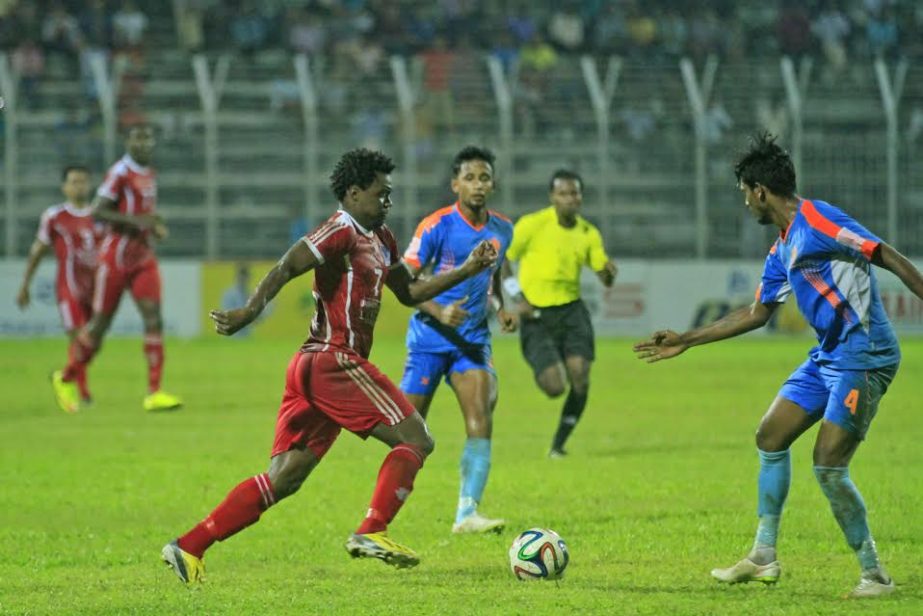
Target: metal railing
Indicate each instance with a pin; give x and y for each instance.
(655, 146)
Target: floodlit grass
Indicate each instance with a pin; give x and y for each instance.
(659, 488)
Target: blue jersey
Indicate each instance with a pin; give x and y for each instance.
(824, 258)
(444, 239)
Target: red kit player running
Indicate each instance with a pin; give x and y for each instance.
(330, 384)
(69, 229)
(127, 202)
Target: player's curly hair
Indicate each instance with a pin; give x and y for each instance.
(358, 168)
(469, 153)
(768, 164)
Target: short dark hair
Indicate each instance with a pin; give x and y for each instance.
(469, 153)
(768, 164)
(564, 174)
(66, 171)
(358, 168)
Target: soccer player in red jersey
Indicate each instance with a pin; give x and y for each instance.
(127, 202)
(330, 384)
(69, 229)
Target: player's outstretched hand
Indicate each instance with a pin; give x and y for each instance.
(228, 322)
(662, 345)
(22, 298)
(454, 315)
(482, 257)
(608, 273)
(160, 231)
(508, 320)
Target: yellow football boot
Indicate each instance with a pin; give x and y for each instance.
(378, 545)
(65, 393)
(188, 568)
(162, 401)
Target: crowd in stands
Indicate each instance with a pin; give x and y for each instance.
(528, 34)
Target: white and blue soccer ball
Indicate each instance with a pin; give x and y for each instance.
(539, 554)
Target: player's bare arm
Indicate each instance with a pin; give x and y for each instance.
(508, 320)
(411, 290)
(521, 307)
(608, 273)
(666, 343)
(890, 259)
(36, 253)
(451, 315)
(298, 260)
(106, 210)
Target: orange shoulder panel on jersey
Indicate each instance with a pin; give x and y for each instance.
(818, 221)
(433, 219)
(500, 216)
(774, 248)
(842, 235)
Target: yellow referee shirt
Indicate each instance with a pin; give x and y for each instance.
(551, 256)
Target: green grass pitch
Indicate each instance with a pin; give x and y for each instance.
(659, 488)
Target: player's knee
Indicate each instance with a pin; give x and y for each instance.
(288, 480)
(767, 441)
(426, 444)
(553, 388)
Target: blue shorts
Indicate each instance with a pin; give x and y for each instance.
(848, 398)
(423, 370)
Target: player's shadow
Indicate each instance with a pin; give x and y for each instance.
(637, 449)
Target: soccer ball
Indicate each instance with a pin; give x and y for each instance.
(538, 554)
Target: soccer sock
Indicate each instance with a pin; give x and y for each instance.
(775, 478)
(79, 354)
(395, 483)
(240, 508)
(570, 414)
(849, 511)
(475, 466)
(153, 350)
(81, 378)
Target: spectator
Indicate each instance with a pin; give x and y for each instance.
(249, 29)
(96, 25)
(611, 29)
(566, 29)
(521, 24)
(307, 34)
(832, 28)
(29, 63)
(61, 32)
(438, 106)
(129, 25)
(793, 30)
(881, 31)
(190, 27)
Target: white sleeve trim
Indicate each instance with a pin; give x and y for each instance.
(310, 244)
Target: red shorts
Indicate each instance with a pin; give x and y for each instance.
(117, 272)
(331, 390)
(75, 312)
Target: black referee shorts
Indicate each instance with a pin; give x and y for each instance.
(557, 333)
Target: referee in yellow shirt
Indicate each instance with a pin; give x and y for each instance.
(552, 245)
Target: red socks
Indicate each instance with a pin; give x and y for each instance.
(79, 354)
(241, 508)
(81, 378)
(395, 482)
(153, 351)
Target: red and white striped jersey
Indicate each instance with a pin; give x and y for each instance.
(134, 189)
(75, 236)
(354, 265)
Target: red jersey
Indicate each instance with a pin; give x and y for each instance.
(74, 235)
(134, 189)
(354, 264)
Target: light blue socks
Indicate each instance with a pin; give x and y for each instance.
(774, 480)
(475, 466)
(849, 511)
